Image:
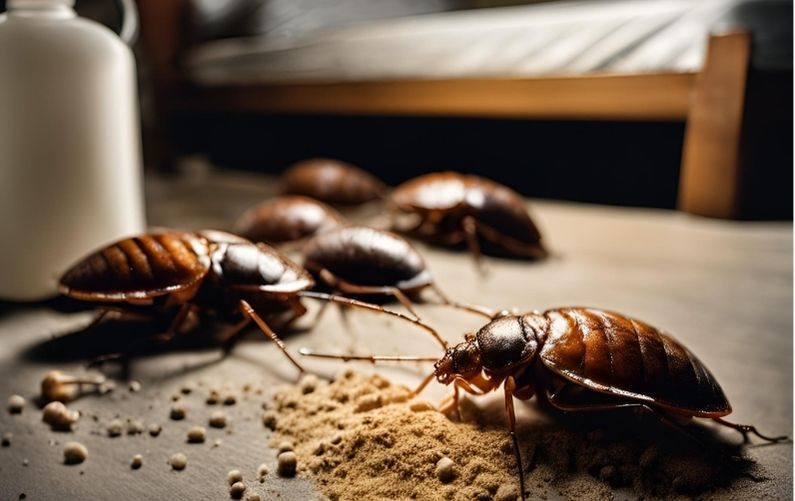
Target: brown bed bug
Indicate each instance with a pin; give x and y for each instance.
(332, 181)
(208, 273)
(578, 359)
(363, 260)
(287, 218)
(450, 209)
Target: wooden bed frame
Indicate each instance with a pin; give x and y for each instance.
(711, 102)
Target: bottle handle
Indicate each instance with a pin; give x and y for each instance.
(129, 21)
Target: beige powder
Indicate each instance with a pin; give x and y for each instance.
(359, 438)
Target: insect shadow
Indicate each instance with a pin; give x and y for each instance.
(126, 341)
(628, 450)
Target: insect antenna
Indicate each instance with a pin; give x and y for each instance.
(307, 352)
(471, 308)
(372, 307)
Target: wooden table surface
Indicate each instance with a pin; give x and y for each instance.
(724, 289)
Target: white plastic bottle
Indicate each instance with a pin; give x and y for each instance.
(70, 152)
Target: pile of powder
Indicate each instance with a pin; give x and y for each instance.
(358, 438)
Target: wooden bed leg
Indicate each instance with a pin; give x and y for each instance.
(710, 179)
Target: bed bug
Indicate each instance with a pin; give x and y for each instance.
(332, 181)
(450, 209)
(578, 359)
(286, 219)
(363, 260)
(210, 272)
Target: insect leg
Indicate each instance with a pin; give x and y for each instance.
(471, 233)
(533, 250)
(298, 311)
(122, 314)
(116, 313)
(373, 307)
(553, 400)
(249, 311)
(510, 386)
(745, 429)
(176, 323)
(230, 332)
(350, 288)
(427, 379)
(319, 314)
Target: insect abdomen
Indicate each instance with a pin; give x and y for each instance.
(612, 353)
(143, 266)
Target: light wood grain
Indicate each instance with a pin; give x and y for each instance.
(710, 181)
(626, 97)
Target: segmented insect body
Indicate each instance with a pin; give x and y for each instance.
(578, 359)
(211, 274)
(362, 260)
(332, 181)
(449, 208)
(367, 257)
(214, 273)
(286, 219)
(581, 359)
(597, 350)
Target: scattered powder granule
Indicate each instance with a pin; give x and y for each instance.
(213, 398)
(217, 443)
(354, 449)
(58, 416)
(178, 412)
(217, 419)
(155, 429)
(269, 419)
(6, 441)
(308, 383)
(262, 472)
(237, 489)
(16, 403)
(230, 399)
(74, 453)
(178, 461)
(197, 434)
(57, 385)
(185, 390)
(234, 476)
(115, 428)
(137, 462)
(285, 446)
(287, 464)
(135, 427)
(444, 470)
(252, 496)
(134, 386)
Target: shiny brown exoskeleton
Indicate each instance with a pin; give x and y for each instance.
(579, 359)
(209, 272)
(363, 260)
(332, 181)
(286, 219)
(449, 209)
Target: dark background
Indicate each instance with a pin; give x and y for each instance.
(618, 163)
